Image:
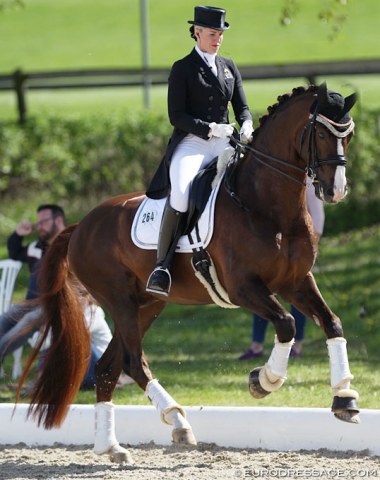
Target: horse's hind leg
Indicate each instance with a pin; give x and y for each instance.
(108, 370)
(125, 351)
(171, 413)
(124, 312)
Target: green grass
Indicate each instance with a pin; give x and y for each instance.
(48, 35)
(77, 34)
(194, 350)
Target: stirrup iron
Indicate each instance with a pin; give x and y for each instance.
(159, 281)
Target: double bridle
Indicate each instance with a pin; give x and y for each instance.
(314, 162)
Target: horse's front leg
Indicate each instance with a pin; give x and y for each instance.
(270, 377)
(309, 300)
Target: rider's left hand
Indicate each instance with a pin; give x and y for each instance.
(246, 131)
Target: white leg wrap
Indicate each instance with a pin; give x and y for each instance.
(268, 381)
(273, 374)
(174, 417)
(164, 403)
(339, 368)
(105, 436)
(277, 364)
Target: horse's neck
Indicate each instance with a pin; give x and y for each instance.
(270, 192)
(275, 189)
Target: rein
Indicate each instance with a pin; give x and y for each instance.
(244, 146)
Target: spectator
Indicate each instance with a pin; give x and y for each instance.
(50, 221)
(100, 337)
(23, 321)
(259, 325)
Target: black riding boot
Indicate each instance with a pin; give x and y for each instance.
(170, 230)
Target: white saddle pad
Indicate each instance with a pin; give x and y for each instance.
(147, 221)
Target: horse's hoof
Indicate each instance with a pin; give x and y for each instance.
(348, 416)
(255, 389)
(346, 409)
(184, 436)
(119, 454)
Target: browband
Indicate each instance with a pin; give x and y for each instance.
(331, 125)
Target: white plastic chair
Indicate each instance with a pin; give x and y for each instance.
(9, 270)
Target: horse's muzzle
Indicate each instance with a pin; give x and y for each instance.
(330, 194)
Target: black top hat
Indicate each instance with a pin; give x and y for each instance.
(210, 17)
(333, 106)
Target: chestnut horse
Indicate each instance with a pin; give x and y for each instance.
(263, 245)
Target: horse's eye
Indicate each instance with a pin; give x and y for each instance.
(321, 135)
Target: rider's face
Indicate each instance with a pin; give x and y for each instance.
(209, 40)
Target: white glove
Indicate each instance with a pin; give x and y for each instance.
(221, 130)
(246, 131)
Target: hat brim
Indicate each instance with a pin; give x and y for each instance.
(226, 25)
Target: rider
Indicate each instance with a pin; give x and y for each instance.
(200, 87)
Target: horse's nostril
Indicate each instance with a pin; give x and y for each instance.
(330, 192)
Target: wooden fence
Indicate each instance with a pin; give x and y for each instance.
(21, 82)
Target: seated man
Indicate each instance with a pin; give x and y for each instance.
(22, 321)
(50, 221)
(100, 337)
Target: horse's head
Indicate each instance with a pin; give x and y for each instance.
(331, 128)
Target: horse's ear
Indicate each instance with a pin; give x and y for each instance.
(322, 92)
(350, 101)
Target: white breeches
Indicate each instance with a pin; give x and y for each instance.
(191, 155)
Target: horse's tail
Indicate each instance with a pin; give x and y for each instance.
(66, 361)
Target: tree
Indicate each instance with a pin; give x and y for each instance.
(10, 4)
(334, 13)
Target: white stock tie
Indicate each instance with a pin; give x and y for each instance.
(210, 60)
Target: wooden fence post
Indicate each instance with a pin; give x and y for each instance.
(19, 80)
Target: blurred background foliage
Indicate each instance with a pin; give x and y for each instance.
(92, 157)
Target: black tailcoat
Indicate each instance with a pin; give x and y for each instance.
(196, 98)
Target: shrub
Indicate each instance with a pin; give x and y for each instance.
(72, 157)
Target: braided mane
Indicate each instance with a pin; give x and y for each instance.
(284, 98)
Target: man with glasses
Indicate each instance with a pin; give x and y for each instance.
(50, 221)
(22, 321)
